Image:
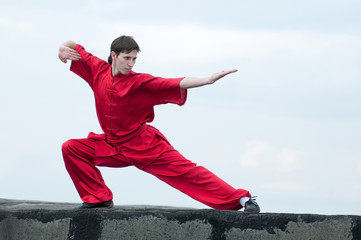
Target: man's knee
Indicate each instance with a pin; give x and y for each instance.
(68, 146)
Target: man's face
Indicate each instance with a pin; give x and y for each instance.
(124, 62)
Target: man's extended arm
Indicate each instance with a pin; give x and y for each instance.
(67, 52)
(191, 82)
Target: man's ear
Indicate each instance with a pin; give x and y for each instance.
(113, 54)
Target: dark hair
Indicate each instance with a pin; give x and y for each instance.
(123, 44)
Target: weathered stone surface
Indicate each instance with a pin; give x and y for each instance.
(27, 220)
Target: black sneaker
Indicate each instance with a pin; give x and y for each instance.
(107, 204)
(251, 206)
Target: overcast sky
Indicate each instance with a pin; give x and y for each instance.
(286, 126)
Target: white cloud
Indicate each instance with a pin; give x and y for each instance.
(255, 153)
(286, 186)
(16, 25)
(288, 159)
(196, 43)
(259, 153)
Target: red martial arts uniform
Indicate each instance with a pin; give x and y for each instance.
(124, 105)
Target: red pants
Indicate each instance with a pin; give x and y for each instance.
(158, 158)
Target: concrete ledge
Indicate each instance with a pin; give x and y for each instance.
(27, 220)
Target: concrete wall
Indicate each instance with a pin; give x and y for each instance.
(27, 220)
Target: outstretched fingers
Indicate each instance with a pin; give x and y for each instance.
(66, 53)
(74, 55)
(217, 76)
(229, 72)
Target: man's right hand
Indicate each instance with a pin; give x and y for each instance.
(67, 53)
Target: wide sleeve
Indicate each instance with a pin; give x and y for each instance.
(164, 90)
(87, 66)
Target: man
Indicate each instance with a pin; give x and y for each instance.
(124, 104)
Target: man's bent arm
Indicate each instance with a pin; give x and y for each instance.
(191, 82)
(67, 52)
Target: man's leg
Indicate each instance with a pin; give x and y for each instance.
(79, 157)
(196, 181)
